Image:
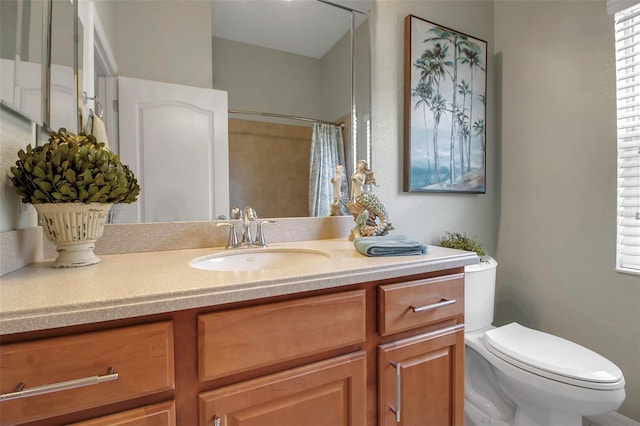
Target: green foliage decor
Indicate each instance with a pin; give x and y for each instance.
(456, 240)
(72, 168)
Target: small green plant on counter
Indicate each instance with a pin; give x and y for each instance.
(72, 168)
(456, 240)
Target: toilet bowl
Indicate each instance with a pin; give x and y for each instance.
(517, 376)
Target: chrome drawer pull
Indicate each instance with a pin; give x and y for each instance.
(21, 392)
(217, 421)
(440, 304)
(398, 406)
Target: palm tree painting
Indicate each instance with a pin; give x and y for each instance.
(445, 98)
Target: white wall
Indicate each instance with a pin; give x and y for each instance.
(262, 79)
(107, 13)
(181, 51)
(335, 71)
(176, 42)
(420, 215)
(556, 245)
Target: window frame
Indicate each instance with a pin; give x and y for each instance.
(627, 50)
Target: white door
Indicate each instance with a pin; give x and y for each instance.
(21, 87)
(64, 110)
(175, 139)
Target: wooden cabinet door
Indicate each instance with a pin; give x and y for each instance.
(330, 392)
(421, 380)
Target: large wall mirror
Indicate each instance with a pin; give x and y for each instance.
(22, 54)
(268, 70)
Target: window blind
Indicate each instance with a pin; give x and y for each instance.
(627, 36)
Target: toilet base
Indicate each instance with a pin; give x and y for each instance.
(541, 417)
(473, 416)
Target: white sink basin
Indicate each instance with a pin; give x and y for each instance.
(259, 259)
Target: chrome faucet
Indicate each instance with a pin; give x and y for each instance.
(249, 215)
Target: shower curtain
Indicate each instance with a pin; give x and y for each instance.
(327, 151)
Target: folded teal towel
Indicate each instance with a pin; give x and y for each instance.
(389, 245)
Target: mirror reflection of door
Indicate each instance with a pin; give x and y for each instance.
(63, 88)
(21, 23)
(177, 146)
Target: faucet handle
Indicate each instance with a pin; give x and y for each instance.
(260, 241)
(250, 213)
(236, 212)
(233, 236)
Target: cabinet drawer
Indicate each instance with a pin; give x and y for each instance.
(163, 414)
(404, 306)
(244, 339)
(74, 371)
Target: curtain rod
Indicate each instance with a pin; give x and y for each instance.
(292, 117)
(345, 7)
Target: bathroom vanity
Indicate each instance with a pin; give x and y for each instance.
(142, 338)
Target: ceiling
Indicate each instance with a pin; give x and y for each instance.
(303, 27)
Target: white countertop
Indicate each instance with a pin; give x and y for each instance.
(127, 285)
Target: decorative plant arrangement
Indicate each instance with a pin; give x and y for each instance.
(72, 181)
(72, 168)
(456, 240)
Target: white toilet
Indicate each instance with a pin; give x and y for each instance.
(516, 376)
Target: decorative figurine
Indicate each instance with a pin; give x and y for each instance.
(360, 179)
(369, 213)
(339, 207)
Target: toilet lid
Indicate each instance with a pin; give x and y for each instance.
(552, 357)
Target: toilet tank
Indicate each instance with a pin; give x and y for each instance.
(479, 294)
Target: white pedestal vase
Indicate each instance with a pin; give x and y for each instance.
(73, 228)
